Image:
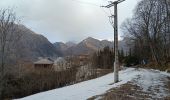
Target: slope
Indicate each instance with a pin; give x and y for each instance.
(34, 45)
(145, 78)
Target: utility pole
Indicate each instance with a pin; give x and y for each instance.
(115, 25)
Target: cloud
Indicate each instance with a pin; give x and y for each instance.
(64, 20)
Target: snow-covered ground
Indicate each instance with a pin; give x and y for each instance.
(149, 80)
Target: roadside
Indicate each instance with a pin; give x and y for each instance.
(135, 84)
(124, 92)
(148, 86)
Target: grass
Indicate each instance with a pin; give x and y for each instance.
(124, 92)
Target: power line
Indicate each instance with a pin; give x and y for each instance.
(93, 4)
(106, 13)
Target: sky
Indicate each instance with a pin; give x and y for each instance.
(69, 20)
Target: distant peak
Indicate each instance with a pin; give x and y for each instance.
(105, 40)
(58, 43)
(70, 44)
(89, 38)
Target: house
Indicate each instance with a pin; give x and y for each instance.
(44, 63)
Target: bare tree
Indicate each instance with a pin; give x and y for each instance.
(149, 29)
(9, 35)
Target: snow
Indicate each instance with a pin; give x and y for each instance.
(153, 82)
(147, 79)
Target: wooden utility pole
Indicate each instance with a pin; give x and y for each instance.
(115, 25)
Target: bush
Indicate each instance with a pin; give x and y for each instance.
(131, 61)
(35, 82)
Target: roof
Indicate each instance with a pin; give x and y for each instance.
(44, 61)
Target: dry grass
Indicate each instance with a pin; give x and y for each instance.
(168, 87)
(152, 65)
(125, 92)
(101, 72)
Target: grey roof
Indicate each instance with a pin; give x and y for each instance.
(44, 61)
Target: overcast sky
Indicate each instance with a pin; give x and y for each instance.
(69, 20)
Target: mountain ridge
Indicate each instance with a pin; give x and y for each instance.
(33, 45)
(87, 46)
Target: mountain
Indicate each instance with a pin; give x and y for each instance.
(70, 44)
(87, 46)
(60, 46)
(34, 45)
(63, 47)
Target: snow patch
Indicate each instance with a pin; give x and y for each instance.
(153, 82)
(149, 80)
